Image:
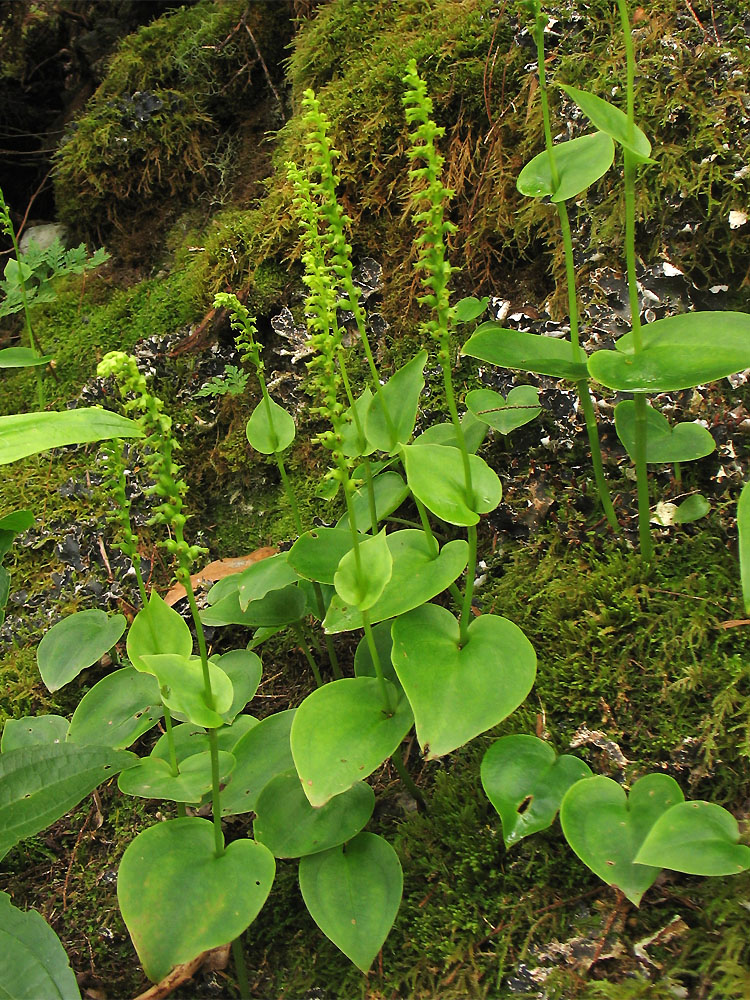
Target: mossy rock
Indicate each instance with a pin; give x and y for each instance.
(159, 129)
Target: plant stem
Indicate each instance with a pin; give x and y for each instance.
(172, 755)
(388, 706)
(300, 633)
(213, 740)
(465, 620)
(240, 968)
(641, 471)
(406, 778)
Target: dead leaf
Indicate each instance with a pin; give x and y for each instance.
(212, 959)
(217, 571)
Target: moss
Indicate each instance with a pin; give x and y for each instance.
(157, 131)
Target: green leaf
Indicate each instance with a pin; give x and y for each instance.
(264, 576)
(607, 118)
(693, 509)
(31, 731)
(363, 664)
(505, 415)
(579, 163)
(470, 308)
(679, 352)
(152, 778)
(743, 530)
(17, 520)
(4, 591)
(390, 493)
(665, 444)
(352, 444)
(117, 710)
(364, 571)
(157, 628)
(75, 643)
(526, 352)
(436, 477)
(23, 434)
(244, 670)
(33, 963)
(183, 690)
(39, 784)
(262, 754)
(270, 428)
(353, 894)
(17, 271)
(289, 826)
(606, 828)
(525, 781)
(178, 899)
(458, 692)
(317, 554)
(399, 397)
(341, 733)
(278, 607)
(474, 430)
(418, 576)
(190, 739)
(22, 357)
(698, 838)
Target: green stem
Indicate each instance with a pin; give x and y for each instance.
(371, 495)
(240, 968)
(288, 491)
(300, 633)
(332, 658)
(678, 473)
(465, 620)
(641, 471)
(388, 706)
(213, 740)
(172, 755)
(596, 455)
(426, 527)
(406, 778)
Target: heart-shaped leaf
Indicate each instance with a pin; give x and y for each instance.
(579, 163)
(393, 412)
(418, 575)
(157, 628)
(505, 415)
(244, 670)
(22, 357)
(525, 781)
(17, 520)
(353, 894)
(278, 607)
(457, 691)
(470, 308)
(390, 493)
(178, 899)
(474, 431)
(39, 784)
(290, 827)
(693, 509)
(23, 434)
(364, 571)
(606, 828)
(117, 710)
(33, 731)
(341, 733)
(262, 754)
(679, 352)
(183, 688)
(75, 643)
(262, 577)
(436, 476)
(270, 428)
(664, 444)
(317, 553)
(33, 963)
(607, 118)
(152, 778)
(526, 352)
(698, 838)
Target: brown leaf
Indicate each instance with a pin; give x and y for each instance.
(216, 958)
(217, 571)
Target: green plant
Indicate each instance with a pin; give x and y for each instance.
(231, 383)
(678, 352)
